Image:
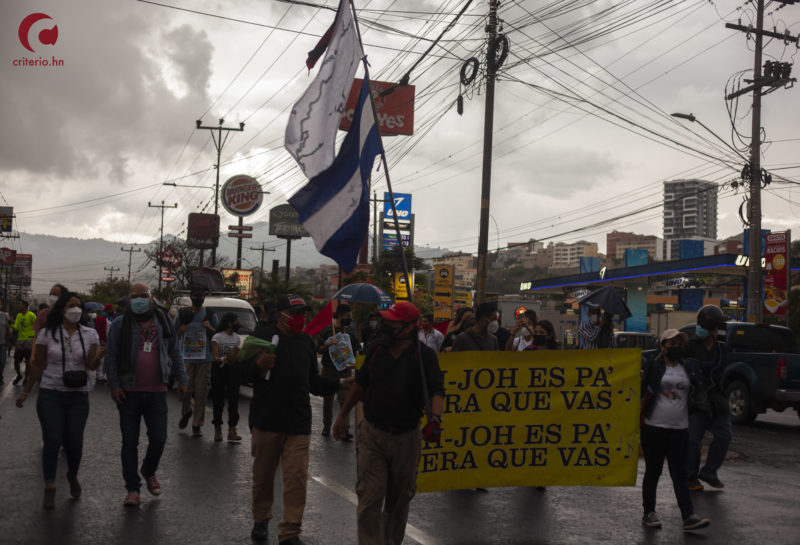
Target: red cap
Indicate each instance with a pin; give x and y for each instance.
(401, 311)
(109, 306)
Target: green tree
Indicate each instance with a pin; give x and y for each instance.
(391, 262)
(109, 290)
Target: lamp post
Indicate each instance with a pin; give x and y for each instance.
(754, 305)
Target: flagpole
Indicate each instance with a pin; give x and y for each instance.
(409, 286)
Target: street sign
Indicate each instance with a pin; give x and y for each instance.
(241, 195)
(395, 110)
(240, 235)
(168, 279)
(240, 227)
(402, 203)
(6, 218)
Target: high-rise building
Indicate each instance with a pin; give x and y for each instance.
(690, 212)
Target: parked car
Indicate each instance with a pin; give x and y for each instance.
(631, 339)
(221, 305)
(762, 370)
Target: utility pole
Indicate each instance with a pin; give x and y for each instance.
(488, 127)
(262, 249)
(219, 143)
(130, 259)
(111, 271)
(160, 256)
(755, 310)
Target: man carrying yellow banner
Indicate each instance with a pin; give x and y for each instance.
(390, 384)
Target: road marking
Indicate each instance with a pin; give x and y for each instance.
(411, 531)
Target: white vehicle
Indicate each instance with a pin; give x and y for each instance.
(221, 305)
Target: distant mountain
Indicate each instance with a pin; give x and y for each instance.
(78, 263)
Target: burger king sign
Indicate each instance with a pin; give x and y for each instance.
(241, 195)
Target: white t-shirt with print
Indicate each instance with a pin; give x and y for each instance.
(672, 409)
(226, 342)
(75, 356)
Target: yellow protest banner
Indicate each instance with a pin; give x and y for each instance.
(546, 418)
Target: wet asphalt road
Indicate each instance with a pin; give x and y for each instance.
(206, 493)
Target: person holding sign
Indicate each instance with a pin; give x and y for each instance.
(669, 386)
(280, 418)
(196, 334)
(391, 385)
(338, 339)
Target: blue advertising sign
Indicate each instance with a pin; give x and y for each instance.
(402, 202)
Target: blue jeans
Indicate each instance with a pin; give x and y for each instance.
(658, 443)
(720, 428)
(153, 407)
(62, 416)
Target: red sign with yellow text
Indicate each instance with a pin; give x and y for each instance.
(395, 110)
(776, 276)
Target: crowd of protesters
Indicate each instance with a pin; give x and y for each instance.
(140, 350)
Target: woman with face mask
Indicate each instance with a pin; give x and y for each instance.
(66, 352)
(225, 375)
(669, 386)
(544, 336)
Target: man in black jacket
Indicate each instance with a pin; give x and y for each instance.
(280, 420)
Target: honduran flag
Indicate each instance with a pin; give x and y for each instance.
(334, 205)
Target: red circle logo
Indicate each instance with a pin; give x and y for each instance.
(48, 36)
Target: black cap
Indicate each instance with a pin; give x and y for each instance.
(292, 302)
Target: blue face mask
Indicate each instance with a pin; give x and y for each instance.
(140, 306)
(701, 333)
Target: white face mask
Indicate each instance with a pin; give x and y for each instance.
(594, 318)
(73, 315)
(493, 327)
(373, 324)
(526, 332)
(92, 315)
(51, 299)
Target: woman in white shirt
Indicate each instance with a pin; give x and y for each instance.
(67, 352)
(669, 386)
(225, 375)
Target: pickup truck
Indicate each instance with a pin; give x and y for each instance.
(762, 370)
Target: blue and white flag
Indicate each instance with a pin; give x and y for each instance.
(311, 131)
(334, 205)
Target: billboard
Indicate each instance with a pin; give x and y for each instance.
(203, 231)
(6, 219)
(241, 195)
(395, 110)
(284, 221)
(444, 278)
(776, 274)
(243, 279)
(22, 270)
(402, 203)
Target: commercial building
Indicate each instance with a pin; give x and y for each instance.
(690, 212)
(569, 255)
(617, 242)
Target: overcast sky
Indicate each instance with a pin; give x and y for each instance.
(86, 145)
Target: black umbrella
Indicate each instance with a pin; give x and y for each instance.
(607, 299)
(363, 293)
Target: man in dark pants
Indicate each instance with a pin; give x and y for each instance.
(714, 415)
(280, 420)
(390, 384)
(343, 324)
(141, 344)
